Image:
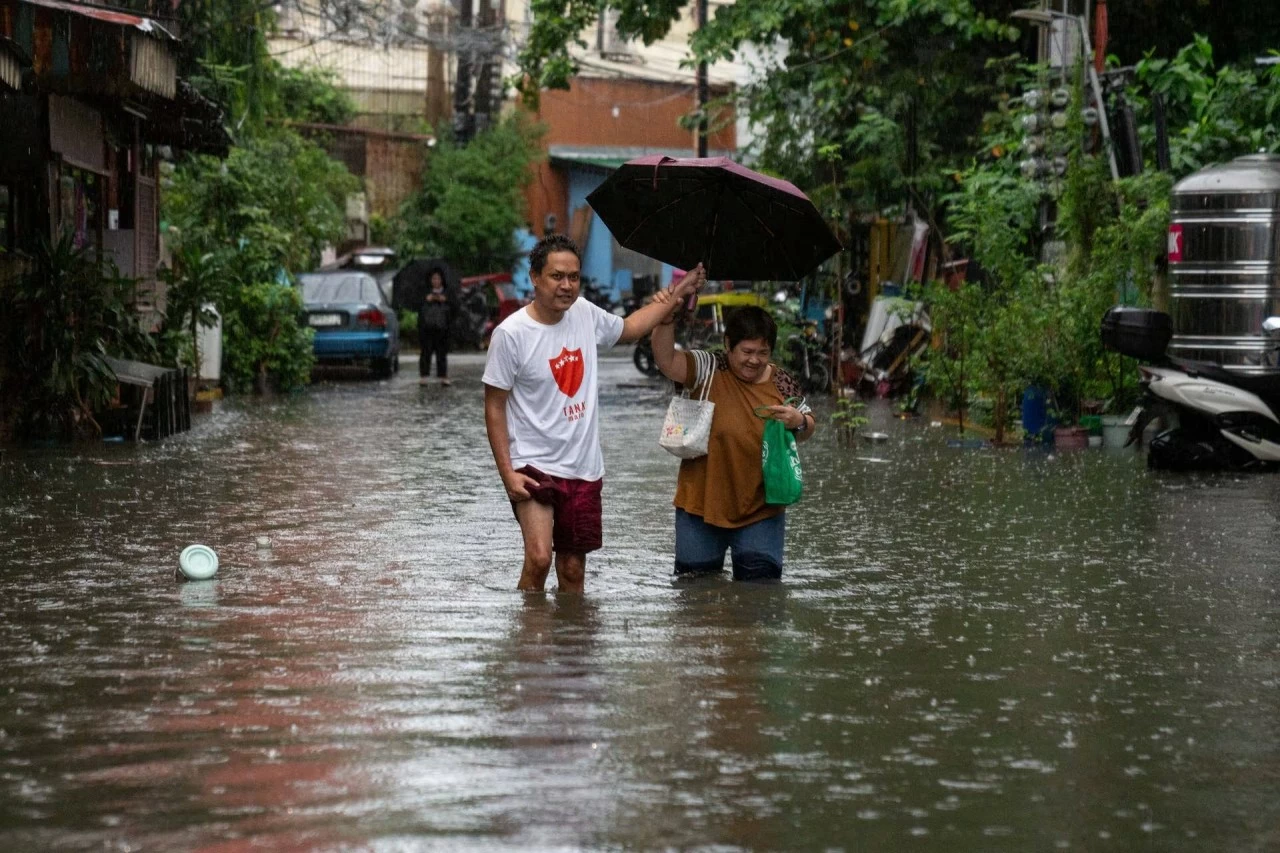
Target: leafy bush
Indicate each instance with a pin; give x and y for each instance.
(1029, 322)
(241, 227)
(277, 200)
(408, 325)
(265, 344)
(1213, 113)
(312, 95)
(58, 322)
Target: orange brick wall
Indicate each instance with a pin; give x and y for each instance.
(648, 115)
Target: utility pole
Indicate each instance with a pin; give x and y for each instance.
(486, 73)
(703, 94)
(463, 119)
(437, 106)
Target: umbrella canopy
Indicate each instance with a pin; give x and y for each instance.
(738, 223)
(410, 285)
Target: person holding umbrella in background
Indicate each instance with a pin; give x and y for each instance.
(435, 325)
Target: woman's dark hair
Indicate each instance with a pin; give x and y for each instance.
(750, 323)
(547, 245)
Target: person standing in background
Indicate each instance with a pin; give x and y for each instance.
(435, 325)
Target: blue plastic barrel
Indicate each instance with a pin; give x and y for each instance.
(1035, 414)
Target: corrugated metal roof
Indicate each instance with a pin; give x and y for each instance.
(10, 68)
(91, 51)
(110, 16)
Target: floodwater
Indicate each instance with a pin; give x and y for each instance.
(971, 650)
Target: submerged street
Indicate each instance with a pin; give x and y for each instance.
(971, 649)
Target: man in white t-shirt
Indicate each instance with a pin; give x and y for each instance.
(540, 399)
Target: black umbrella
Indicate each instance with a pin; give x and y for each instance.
(738, 223)
(410, 285)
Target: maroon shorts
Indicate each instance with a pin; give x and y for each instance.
(576, 504)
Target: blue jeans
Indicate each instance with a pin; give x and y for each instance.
(757, 548)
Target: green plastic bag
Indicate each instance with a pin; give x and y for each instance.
(783, 480)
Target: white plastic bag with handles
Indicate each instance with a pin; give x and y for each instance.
(687, 427)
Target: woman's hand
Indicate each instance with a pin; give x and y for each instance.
(791, 417)
(690, 284)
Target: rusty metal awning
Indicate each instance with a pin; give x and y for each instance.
(88, 50)
(109, 16)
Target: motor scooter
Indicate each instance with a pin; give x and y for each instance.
(1214, 418)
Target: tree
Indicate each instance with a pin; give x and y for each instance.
(1239, 30)
(872, 98)
(241, 227)
(225, 55)
(1214, 112)
(471, 201)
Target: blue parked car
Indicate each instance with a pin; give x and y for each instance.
(353, 320)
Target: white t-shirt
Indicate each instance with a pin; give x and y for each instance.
(551, 374)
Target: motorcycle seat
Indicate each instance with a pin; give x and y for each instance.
(1265, 385)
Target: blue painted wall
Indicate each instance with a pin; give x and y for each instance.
(525, 241)
(597, 255)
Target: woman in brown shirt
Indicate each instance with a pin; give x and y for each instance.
(720, 496)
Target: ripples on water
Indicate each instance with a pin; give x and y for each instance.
(971, 650)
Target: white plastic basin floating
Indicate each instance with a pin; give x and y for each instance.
(198, 562)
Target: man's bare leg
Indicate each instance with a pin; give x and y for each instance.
(571, 571)
(536, 523)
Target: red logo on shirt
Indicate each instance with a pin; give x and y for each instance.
(567, 368)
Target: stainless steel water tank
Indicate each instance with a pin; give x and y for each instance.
(1224, 262)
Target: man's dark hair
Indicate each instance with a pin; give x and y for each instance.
(547, 245)
(750, 323)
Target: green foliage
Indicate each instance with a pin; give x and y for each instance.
(310, 95)
(266, 345)
(1234, 28)
(545, 61)
(847, 418)
(1033, 323)
(875, 99)
(193, 281)
(241, 226)
(279, 195)
(1214, 114)
(225, 56)
(408, 324)
(471, 201)
(58, 322)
